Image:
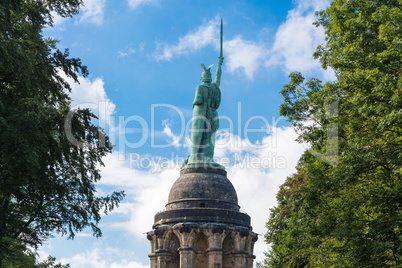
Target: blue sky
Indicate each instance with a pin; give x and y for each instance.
(144, 61)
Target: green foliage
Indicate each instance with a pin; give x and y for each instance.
(347, 214)
(50, 263)
(287, 225)
(47, 184)
(24, 258)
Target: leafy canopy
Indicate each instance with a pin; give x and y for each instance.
(346, 213)
(47, 184)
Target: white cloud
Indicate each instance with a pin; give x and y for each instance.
(147, 190)
(142, 46)
(126, 264)
(127, 52)
(239, 53)
(312, 5)
(294, 44)
(136, 3)
(57, 19)
(91, 94)
(92, 11)
(174, 139)
(87, 91)
(206, 34)
(86, 259)
(244, 54)
(97, 258)
(297, 39)
(84, 235)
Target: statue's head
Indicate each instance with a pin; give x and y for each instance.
(206, 74)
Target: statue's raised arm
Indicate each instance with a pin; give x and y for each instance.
(218, 72)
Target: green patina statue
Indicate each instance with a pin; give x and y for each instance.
(205, 121)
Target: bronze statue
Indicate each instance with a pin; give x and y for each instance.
(205, 121)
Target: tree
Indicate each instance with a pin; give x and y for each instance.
(27, 259)
(47, 183)
(355, 204)
(285, 224)
(50, 263)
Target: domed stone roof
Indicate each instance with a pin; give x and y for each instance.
(202, 188)
(202, 195)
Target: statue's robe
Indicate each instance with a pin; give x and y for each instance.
(205, 119)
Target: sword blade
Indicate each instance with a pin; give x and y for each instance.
(221, 38)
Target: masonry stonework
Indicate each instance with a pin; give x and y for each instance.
(202, 226)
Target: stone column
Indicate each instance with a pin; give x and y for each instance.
(163, 259)
(152, 258)
(215, 234)
(251, 239)
(240, 259)
(187, 257)
(186, 234)
(240, 253)
(214, 257)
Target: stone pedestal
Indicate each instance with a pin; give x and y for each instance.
(202, 226)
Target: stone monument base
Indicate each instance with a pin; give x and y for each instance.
(207, 245)
(202, 226)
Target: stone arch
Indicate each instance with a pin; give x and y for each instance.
(228, 248)
(172, 242)
(172, 246)
(201, 246)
